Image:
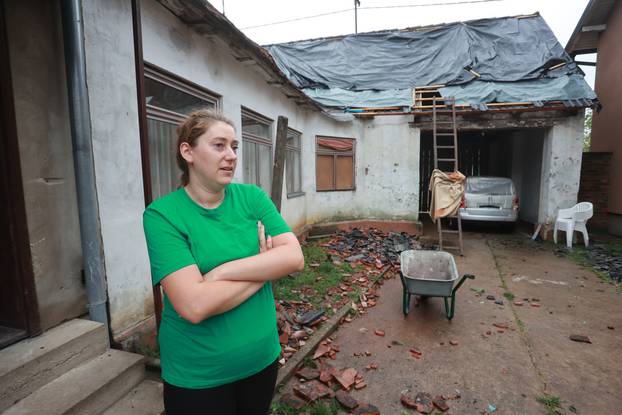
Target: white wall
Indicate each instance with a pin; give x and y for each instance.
(387, 150)
(116, 147)
(561, 167)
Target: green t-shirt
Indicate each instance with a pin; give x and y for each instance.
(229, 346)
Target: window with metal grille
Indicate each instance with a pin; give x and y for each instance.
(293, 166)
(257, 149)
(169, 100)
(334, 163)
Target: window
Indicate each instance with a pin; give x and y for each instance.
(293, 167)
(169, 99)
(334, 166)
(257, 148)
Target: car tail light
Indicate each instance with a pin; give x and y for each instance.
(515, 203)
(463, 202)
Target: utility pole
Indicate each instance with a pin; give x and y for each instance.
(357, 3)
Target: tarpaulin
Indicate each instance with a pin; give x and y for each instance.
(499, 49)
(544, 89)
(508, 59)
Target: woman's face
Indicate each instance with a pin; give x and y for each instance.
(213, 159)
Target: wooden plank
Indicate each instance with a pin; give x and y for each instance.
(279, 162)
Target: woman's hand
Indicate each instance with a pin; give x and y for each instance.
(265, 244)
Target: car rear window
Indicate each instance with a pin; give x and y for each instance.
(489, 185)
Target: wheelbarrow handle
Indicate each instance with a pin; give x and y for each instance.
(462, 280)
(449, 309)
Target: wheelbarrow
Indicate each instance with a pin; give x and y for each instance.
(430, 274)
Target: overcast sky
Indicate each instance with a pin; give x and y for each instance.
(338, 16)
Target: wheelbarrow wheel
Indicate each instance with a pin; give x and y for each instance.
(406, 303)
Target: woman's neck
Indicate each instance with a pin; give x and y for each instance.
(205, 196)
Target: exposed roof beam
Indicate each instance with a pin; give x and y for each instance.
(594, 28)
(585, 63)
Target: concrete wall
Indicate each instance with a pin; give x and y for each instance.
(41, 110)
(387, 150)
(116, 148)
(607, 125)
(526, 171)
(561, 167)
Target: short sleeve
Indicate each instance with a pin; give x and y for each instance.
(168, 248)
(268, 215)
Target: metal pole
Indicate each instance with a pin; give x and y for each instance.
(80, 120)
(356, 4)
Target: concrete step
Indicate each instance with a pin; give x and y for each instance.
(87, 389)
(144, 399)
(28, 365)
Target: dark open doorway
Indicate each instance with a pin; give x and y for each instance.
(18, 305)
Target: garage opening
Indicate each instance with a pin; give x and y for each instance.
(512, 153)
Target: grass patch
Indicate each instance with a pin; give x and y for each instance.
(316, 280)
(509, 296)
(324, 408)
(553, 404)
(279, 408)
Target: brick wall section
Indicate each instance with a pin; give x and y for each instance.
(594, 186)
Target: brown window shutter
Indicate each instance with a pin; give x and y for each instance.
(345, 173)
(324, 172)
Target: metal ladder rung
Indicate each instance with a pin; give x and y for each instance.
(445, 134)
(445, 147)
(448, 231)
(446, 159)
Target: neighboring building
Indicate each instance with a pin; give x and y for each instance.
(339, 166)
(599, 30)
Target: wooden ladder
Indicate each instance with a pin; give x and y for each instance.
(446, 132)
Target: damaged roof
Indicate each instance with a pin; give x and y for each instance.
(508, 59)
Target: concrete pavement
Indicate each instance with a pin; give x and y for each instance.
(493, 367)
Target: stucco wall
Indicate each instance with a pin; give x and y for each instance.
(607, 125)
(387, 150)
(561, 167)
(116, 147)
(41, 111)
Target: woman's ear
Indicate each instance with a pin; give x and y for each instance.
(185, 149)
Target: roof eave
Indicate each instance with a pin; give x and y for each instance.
(208, 21)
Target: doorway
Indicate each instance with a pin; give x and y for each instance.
(18, 305)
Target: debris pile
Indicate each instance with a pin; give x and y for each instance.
(323, 380)
(372, 247)
(373, 256)
(605, 261)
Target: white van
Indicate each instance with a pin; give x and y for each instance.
(491, 199)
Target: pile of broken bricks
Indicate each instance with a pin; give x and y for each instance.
(373, 253)
(327, 382)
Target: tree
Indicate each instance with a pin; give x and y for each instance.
(587, 130)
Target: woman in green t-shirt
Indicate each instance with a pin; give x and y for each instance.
(207, 248)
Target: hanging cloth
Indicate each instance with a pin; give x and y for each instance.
(447, 191)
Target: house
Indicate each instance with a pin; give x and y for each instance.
(599, 30)
(92, 92)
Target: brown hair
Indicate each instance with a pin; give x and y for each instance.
(189, 131)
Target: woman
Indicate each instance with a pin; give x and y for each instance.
(218, 338)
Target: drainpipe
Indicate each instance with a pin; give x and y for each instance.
(80, 119)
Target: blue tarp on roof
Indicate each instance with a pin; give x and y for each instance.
(376, 69)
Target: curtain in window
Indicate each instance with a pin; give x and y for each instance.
(162, 149)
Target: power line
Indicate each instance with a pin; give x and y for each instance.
(451, 3)
(297, 19)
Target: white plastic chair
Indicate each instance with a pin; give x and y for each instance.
(573, 219)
